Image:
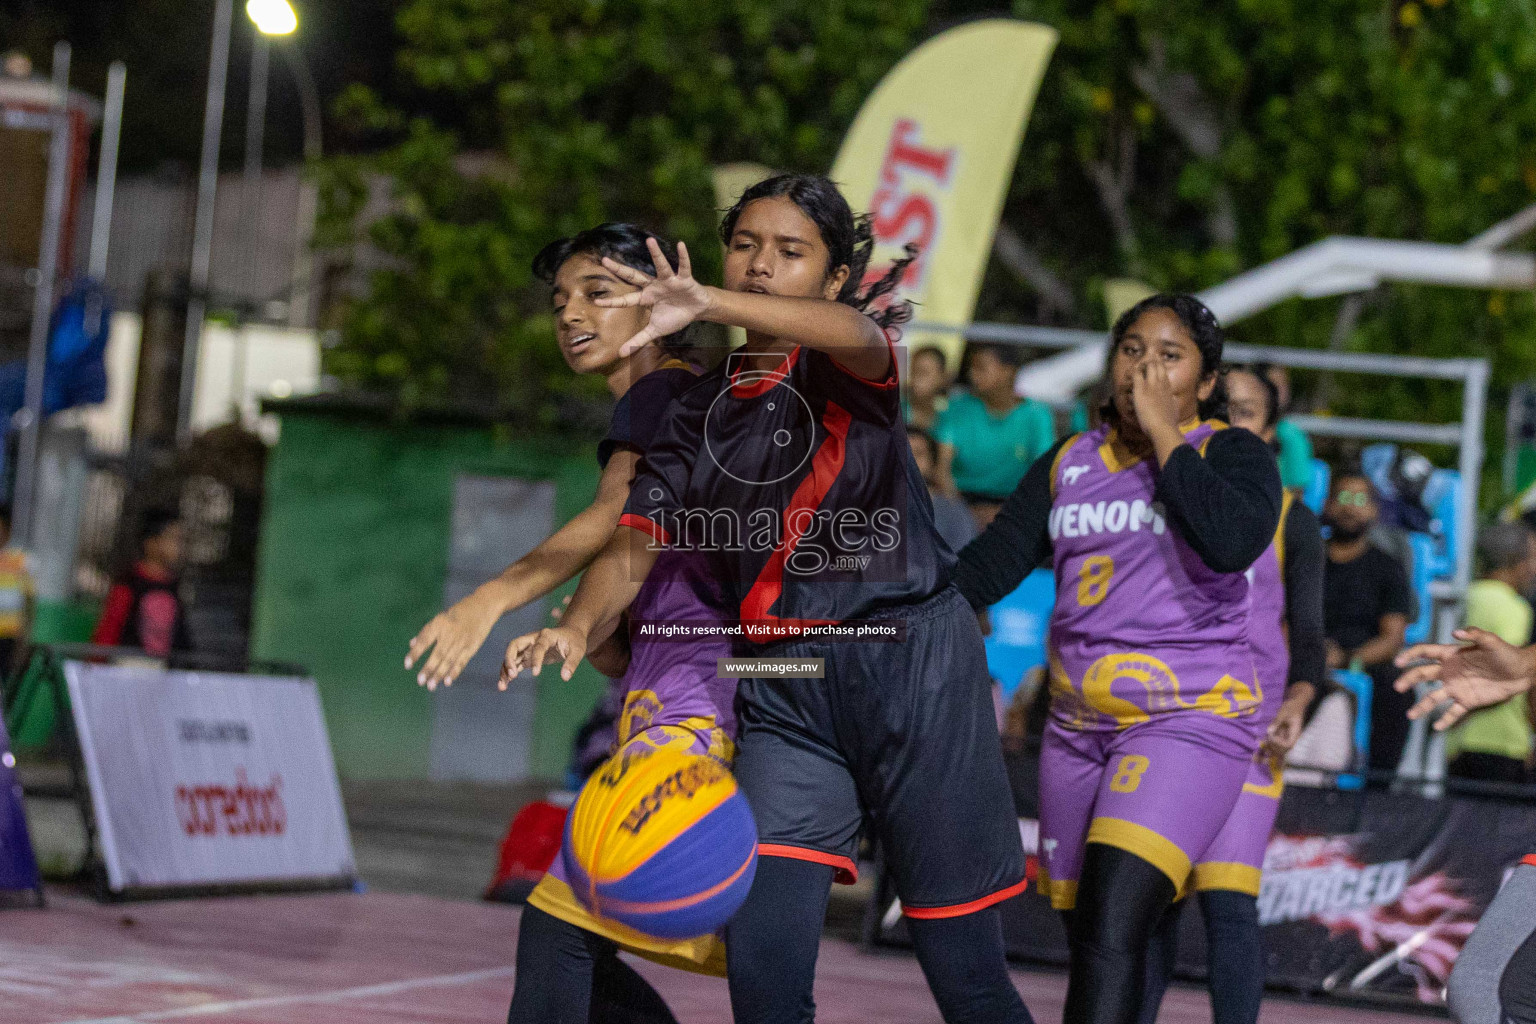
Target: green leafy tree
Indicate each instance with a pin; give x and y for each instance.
(1181, 142)
(578, 111)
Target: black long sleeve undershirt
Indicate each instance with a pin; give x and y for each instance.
(1015, 542)
(1304, 597)
(1225, 504)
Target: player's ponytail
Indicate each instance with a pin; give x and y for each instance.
(850, 242)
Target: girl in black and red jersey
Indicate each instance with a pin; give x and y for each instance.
(789, 465)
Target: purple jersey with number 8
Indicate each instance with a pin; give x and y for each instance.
(1141, 626)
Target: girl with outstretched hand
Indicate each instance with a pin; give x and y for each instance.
(591, 336)
(789, 466)
(568, 967)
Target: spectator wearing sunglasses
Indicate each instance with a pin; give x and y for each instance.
(1365, 610)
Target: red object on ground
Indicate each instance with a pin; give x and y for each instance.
(531, 845)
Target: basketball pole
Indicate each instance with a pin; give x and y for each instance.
(42, 298)
(202, 230)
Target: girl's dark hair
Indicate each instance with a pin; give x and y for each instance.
(154, 523)
(929, 350)
(1008, 355)
(622, 243)
(848, 240)
(1271, 393)
(1204, 330)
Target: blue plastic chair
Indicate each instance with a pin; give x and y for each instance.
(1358, 684)
(1019, 623)
(1316, 491)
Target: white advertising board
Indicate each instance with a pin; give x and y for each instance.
(208, 778)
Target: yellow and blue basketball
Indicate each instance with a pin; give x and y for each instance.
(662, 841)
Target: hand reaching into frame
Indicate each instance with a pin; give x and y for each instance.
(674, 297)
(534, 650)
(453, 636)
(1478, 673)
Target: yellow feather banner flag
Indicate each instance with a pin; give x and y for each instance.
(931, 154)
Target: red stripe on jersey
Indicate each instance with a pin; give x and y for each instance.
(763, 380)
(847, 870)
(825, 466)
(889, 380)
(961, 909)
(1531, 860)
(650, 527)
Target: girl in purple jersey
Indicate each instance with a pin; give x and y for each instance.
(568, 967)
(1286, 633)
(1151, 522)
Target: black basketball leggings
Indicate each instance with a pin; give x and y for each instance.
(1121, 900)
(1236, 957)
(568, 975)
(772, 941)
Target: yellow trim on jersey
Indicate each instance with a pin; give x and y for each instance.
(1115, 455)
(1215, 426)
(1063, 894)
(1118, 457)
(1287, 499)
(1276, 785)
(1244, 878)
(703, 955)
(1156, 850)
(1056, 462)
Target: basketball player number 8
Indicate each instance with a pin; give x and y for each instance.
(1093, 579)
(1127, 778)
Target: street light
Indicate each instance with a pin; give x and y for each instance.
(272, 17)
(278, 18)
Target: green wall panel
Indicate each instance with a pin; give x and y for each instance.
(354, 549)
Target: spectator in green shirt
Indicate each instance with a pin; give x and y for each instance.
(989, 436)
(1494, 744)
(1296, 467)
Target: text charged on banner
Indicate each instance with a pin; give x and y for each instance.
(208, 778)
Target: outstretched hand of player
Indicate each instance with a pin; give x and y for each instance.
(674, 297)
(453, 636)
(1480, 672)
(535, 650)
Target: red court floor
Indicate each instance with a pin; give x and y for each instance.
(394, 959)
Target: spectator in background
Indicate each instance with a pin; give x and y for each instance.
(1493, 744)
(950, 516)
(1295, 447)
(927, 387)
(17, 598)
(144, 608)
(1365, 609)
(990, 436)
